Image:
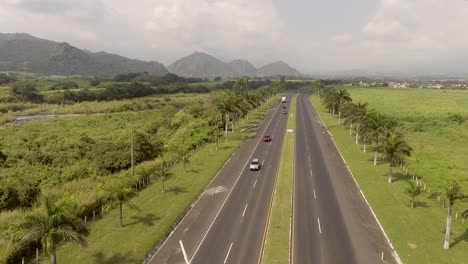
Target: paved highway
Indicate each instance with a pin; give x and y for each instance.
(331, 223)
(228, 223)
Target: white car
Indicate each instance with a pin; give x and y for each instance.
(255, 165)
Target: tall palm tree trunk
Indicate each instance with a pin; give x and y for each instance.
(357, 134)
(120, 215)
(351, 129)
(53, 259)
(365, 148)
(226, 126)
(375, 158)
(449, 226)
(339, 117)
(390, 174)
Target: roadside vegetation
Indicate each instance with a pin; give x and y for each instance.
(277, 245)
(412, 138)
(101, 162)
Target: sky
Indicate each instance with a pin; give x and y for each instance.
(314, 36)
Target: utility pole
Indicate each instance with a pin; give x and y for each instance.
(131, 150)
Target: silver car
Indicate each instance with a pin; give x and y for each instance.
(255, 165)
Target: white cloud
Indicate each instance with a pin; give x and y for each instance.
(230, 28)
(400, 32)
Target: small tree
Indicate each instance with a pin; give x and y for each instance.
(119, 197)
(413, 191)
(451, 194)
(53, 225)
(163, 175)
(395, 149)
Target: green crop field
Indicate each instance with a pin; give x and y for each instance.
(440, 151)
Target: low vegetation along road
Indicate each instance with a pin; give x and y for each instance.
(228, 223)
(331, 222)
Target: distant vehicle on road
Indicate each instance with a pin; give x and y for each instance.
(284, 107)
(266, 138)
(255, 165)
(283, 99)
(284, 111)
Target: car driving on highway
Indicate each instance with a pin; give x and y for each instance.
(255, 165)
(266, 138)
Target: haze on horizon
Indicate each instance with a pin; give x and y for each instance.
(414, 36)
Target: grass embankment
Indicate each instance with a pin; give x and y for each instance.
(277, 241)
(158, 211)
(418, 233)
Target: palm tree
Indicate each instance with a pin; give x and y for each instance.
(413, 191)
(375, 127)
(331, 100)
(227, 104)
(343, 97)
(452, 193)
(395, 149)
(54, 225)
(119, 197)
(354, 114)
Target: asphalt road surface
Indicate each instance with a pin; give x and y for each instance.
(331, 223)
(228, 223)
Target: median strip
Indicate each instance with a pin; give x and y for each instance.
(277, 243)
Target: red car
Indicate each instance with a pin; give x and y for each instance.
(266, 138)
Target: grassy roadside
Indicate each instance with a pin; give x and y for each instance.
(277, 241)
(418, 233)
(108, 243)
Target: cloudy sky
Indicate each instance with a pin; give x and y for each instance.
(311, 35)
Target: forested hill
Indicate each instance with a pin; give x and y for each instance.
(21, 50)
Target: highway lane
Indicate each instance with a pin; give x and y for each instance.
(235, 193)
(331, 224)
(237, 235)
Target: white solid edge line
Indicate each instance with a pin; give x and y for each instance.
(227, 255)
(315, 196)
(235, 183)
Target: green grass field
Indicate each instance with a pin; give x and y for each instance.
(440, 147)
(158, 212)
(418, 233)
(277, 241)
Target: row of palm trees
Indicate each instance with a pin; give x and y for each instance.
(371, 127)
(235, 105)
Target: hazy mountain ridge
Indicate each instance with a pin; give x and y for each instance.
(277, 68)
(48, 57)
(202, 65)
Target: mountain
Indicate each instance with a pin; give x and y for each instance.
(201, 65)
(243, 68)
(48, 57)
(277, 68)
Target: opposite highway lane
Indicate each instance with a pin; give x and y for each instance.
(227, 224)
(331, 223)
